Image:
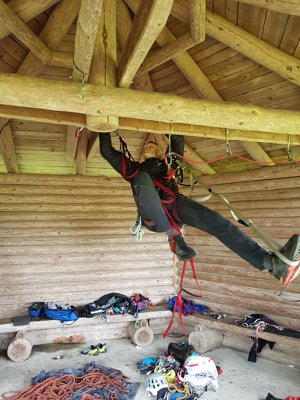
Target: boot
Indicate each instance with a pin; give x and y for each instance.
(280, 269)
(181, 249)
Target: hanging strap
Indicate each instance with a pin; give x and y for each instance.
(178, 304)
(126, 153)
(271, 243)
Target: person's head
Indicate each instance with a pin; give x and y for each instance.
(151, 149)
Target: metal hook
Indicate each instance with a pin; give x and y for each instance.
(228, 147)
(84, 78)
(289, 151)
(170, 157)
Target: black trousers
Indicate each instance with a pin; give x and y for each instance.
(196, 215)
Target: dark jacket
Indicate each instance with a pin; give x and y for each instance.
(156, 168)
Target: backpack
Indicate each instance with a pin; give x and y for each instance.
(63, 313)
(139, 302)
(36, 310)
(116, 302)
(60, 314)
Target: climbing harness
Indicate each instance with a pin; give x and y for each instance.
(125, 152)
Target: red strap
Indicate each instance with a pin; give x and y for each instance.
(194, 275)
(124, 151)
(164, 188)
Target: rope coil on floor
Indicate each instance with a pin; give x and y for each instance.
(72, 387)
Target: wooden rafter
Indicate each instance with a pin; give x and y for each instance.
(171, 50)
(81, 151)
(55, 29)
(291, 7)
(150, 19)
(245, 43)
(200, 82)
(104, 64)
(24, 34)
(65, 96)
(71, 142)
(197, 19)
(7, 148)
(143, 82)
(26, 10)
(184, 61)
(86, 31)
(140, 125)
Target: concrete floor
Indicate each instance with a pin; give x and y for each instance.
(240, 380)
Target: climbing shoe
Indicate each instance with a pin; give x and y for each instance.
(291, 250)
(181, 249)
(95, 350)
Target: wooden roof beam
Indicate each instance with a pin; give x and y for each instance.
(55, 95)
(167, 52)
(86, 31)
(256, 49)
(24, 34)
(197, 19)
(26, 10)
(291, 7)
(140, 125)
(54, 31)
(150, 19)
(103, 69)
(245, 43)
(71, 142)
(184, 62)
(143, 82)
(200, 83)
(81, 152)
(7, 147)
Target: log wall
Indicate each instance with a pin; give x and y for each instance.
(66, 239)
(270, 197)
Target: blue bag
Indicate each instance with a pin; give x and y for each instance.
(36, 310)
(61, 315)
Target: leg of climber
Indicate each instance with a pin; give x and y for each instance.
(148, 202)
(194, 214)
(153, 214)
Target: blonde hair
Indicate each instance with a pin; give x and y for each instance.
(159, 149)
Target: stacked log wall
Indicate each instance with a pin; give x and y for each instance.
(270, 198)
(66, 239)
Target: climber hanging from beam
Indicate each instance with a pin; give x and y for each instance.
(163, 208)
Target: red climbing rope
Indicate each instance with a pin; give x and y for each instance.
(66, 386)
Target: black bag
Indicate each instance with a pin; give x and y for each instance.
(180, 351)
(117, 302)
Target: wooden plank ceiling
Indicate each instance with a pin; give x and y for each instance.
(225, 73)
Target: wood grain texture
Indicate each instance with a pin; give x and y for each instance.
(81, 259)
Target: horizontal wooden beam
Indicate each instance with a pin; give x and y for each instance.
(100, 100)
(138, 125)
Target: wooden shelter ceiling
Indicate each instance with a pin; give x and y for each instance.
(225, 73)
